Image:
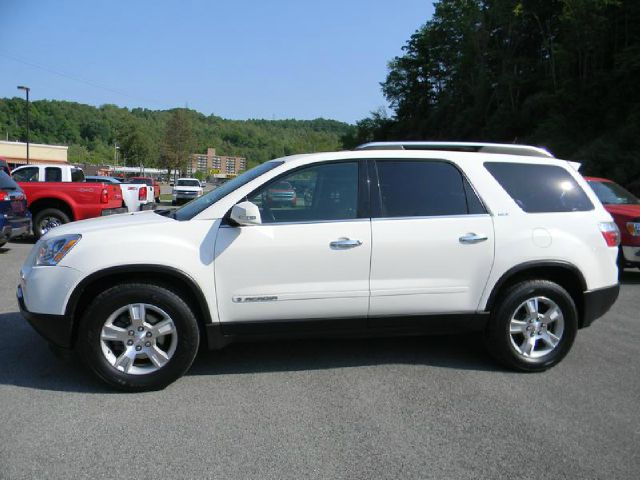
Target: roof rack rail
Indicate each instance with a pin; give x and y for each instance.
(503, 148)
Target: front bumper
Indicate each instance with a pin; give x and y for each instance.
(57, 329)
(113, 211)
(597, 303)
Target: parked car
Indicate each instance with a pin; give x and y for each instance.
(58, 194)
(624, 207)
(280, 194)
(15, 219)
(185, 190)
(149, 182)
(136, 196)
(4, 166)
(392, 242)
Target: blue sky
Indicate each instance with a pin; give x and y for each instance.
(237, 59)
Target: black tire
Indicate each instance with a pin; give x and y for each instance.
(58, 216)
(89, 344)
(498, 337)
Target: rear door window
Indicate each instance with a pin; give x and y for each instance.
(52, 174)
(421, 188)
(540, 188)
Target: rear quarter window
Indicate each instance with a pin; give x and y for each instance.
(540, 188)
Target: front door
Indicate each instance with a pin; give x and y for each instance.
(309, 259)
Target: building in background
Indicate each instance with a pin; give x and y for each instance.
(217, 166)
(15, 153)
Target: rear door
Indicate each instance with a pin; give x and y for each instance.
(433, 241)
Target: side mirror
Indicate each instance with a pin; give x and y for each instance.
(246, 213)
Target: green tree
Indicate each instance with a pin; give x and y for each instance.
(178, 142)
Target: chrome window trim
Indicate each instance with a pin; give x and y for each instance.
(308, 222)
(427, 217)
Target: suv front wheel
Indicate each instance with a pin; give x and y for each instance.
(533, 326)
(138, 337)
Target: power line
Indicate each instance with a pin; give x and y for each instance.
(80, 80)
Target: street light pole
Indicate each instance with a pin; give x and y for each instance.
(27, 90)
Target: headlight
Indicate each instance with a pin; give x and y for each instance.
(633, 228)
(52, 250)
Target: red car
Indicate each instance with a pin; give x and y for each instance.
(624, 207)
(150, 182)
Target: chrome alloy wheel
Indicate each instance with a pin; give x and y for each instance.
(138, 339)
(536, 327)
(47, 223)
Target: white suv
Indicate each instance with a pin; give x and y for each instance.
(378, 241)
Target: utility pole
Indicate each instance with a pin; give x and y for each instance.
(27, 90)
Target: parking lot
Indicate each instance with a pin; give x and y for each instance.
(433, 407)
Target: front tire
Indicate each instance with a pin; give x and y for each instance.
(138, 337)
(533, 326)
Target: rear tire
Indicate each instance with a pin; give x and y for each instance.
(532, 326)
(138, 337)
(46, 219)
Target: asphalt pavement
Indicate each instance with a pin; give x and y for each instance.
(400, 408)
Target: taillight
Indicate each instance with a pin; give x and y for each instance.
(610, 233)
(142, 193)
(4, 196)
(104, 197)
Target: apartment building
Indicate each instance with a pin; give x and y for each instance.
(211, 164)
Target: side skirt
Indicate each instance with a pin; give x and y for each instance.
(220, 335)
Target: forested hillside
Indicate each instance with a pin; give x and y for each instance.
(560, 73)
(91, 132)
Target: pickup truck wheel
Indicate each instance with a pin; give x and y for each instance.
(533, 326)
(138, 337)
(47, 219)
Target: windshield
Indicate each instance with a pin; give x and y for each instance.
(611, 193)
(194, 207)
(188, 183)
(6, 182)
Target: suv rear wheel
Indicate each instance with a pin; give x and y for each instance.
(533, 326)
(138, 337)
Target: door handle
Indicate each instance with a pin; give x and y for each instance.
(471, 237)
(344, 244)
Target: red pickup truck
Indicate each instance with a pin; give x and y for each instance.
(58, 194)
(624, 207)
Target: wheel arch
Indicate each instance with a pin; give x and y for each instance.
(44, 203)
(173, 278)
(565, 274)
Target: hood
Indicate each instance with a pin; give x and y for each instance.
(629, 211)
(110, 223)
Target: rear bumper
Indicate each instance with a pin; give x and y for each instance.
(5, 233)
(597, 303)
(20, 226)
(148, 206)
(56, 329)
(113, 211)
(631, 255)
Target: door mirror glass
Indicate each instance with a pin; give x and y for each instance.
(246, 213)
